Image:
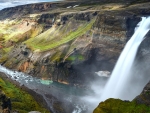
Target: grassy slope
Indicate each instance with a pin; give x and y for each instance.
(17, 29)
(21, 100)
(119, 106)
(43, 43)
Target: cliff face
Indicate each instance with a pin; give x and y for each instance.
(66, 44)
(20, 11)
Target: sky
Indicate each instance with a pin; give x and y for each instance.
(12, 3)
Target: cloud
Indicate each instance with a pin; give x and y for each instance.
(13, 3)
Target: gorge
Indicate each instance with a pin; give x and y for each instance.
(60, 50)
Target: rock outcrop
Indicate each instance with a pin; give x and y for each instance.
(6, 102)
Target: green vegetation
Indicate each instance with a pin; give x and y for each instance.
(75, 57)
(52, 38)
(3, 58)
(17, 31)
(6, 50)
(21, 100)
(4, 53)
(119, 106)
(56, 57)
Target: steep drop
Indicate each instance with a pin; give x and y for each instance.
(120, 75)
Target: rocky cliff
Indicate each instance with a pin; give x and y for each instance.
(66, 42)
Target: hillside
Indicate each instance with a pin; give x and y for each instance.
(21, 101)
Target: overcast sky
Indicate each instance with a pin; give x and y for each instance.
(12, 3)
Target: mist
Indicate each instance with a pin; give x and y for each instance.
(129, 76)
(139, 77)
(93, 99)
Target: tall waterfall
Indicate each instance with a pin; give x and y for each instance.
(120, 74)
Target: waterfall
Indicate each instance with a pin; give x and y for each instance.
(121, 73)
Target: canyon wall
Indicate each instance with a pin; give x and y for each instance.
(67, 45)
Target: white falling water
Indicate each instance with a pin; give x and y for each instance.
(120, 74)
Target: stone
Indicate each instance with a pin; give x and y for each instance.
(34, 112)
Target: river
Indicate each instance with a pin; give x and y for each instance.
(70, 96)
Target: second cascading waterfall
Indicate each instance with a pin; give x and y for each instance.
(120, 75)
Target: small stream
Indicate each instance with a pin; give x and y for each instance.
(70, 95)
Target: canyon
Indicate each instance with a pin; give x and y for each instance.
(67, 42)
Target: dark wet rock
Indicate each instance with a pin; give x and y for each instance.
(47, 18)
(64, 18)
(83, 16)
(144, 47)
(131, 22)
(144, 97)
(15, 77)
(6, 102)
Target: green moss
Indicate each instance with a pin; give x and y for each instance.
(148, 92)
(6, 50)
(71, 58)
(119, 106)
(75, 57)
(56, 56)
(3, 58)
(44, 37)
(21, 100)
